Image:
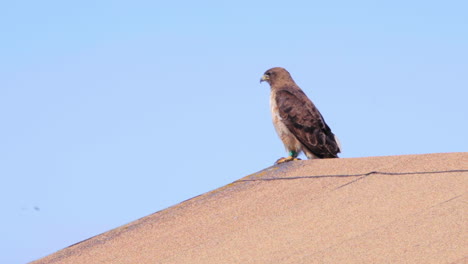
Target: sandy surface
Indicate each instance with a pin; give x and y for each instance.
(395, 209)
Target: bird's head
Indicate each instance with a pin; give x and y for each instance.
(274, 75)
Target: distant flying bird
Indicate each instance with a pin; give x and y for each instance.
(297, 121)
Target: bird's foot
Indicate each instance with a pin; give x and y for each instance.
(282, 160)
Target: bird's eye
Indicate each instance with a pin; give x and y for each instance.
(267, 73)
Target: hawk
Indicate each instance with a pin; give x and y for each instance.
(297, 121)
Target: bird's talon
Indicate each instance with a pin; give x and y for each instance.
(283, 160)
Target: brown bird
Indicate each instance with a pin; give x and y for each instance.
(297, 121)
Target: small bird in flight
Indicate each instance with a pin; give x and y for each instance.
(297, 121)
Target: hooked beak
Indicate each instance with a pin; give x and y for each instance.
(264, 78)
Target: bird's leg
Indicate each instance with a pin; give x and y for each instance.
(292, 156)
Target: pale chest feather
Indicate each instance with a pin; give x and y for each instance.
(289, 140)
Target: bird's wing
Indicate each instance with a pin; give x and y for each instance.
(305, 122)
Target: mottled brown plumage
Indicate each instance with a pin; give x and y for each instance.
(297, 121)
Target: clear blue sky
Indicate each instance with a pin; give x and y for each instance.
(113, 110)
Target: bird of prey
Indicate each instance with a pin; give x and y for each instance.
(297, 121)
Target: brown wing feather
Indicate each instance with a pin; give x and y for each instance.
(304, 120)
